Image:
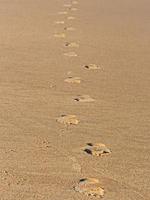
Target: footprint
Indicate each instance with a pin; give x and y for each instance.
(74, 2)
(73, 9)
(44, 144)
(67, 5)
(97, 149)
(75, 164)
(92, 66)
(70, 18)
(69, 29)
(73, 80)
(71, 44)
(89, 187)
(84, 98)
(70, 54)
(59, 22)
(63, 13)
(60, 35)
(9, 178)
(68, 120)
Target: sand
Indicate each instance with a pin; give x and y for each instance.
(41, 159)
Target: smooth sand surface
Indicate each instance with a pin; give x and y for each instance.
(41, 159)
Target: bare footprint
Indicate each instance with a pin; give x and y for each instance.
(89, 187)
(92, 66)
(75, 164)
(74, 2)
(70, 18)
(98, 149)
(84, 98)
(70, 54)
(63, 13)
(68, 120)
(73, 9)
(8, 178)
(59, 35)
(67, 5)
(73, 80)
(71, 44)
(69, 29)
(59, 22)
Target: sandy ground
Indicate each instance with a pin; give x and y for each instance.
(41, 159)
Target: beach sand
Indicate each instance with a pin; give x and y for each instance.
(41, 159)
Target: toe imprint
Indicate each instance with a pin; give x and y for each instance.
(71, 44)
(59, 35)
(90, 187)
(97, 149)
(68, 120)
(75, 164)
(73, 80)
(70, 54)
(84, 98)
(92, 66)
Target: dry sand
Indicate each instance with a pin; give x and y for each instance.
(41, 159)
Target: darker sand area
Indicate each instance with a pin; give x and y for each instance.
(41, 159)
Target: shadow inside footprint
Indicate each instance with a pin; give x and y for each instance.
(89, 144)
(88, 151)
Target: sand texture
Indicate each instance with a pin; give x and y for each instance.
(74, 99)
